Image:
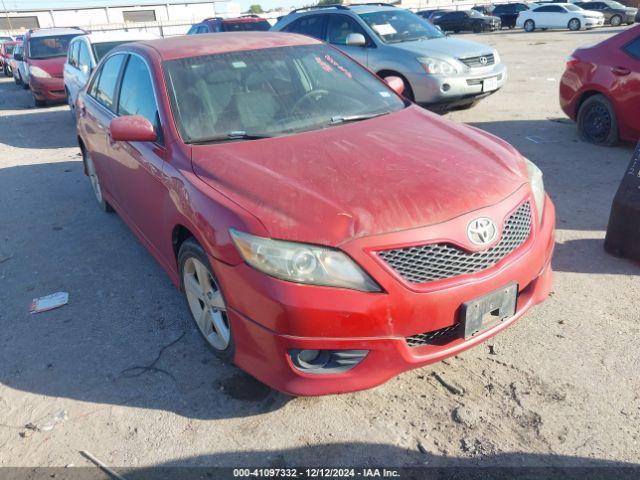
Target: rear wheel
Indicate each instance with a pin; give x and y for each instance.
(205, 299)
(529, 26)
(597, 121)
(95, 182)
(574, 25)
(616, 20)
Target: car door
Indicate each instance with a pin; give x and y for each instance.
(630, 83)
(96, 112)
(339, 27)
(138, 166)
(559, 17)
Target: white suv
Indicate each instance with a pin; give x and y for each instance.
(85, 53)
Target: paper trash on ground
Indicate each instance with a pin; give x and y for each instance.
(49, 302)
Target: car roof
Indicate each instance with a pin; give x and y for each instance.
(185, 46)
(105, 37)
(50, 32)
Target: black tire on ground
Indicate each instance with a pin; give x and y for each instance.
(39, 103)
(597, 122)
(616, 21)
(574, 25)
(17, 81)
(477, 28)
(529, 26)
(89, 169)
(190, 248)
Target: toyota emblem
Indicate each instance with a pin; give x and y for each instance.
(484, 60)
(482, 231)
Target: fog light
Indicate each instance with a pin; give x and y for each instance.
(326, 361)
(446, 87)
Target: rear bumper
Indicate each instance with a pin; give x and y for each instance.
(49, 89)
(270, 317)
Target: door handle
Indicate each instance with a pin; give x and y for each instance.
(620, 71)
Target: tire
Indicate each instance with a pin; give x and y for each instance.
(574, 25)
(477, 28)
(72, 109)
(25, 85)
(205, 299)
(529, 26)
(456, 31)
(17, 81)
(39, 103)
(615, 21)
(597, 122)
(95, 182)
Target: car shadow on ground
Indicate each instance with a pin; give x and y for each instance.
(588, 256)
(125, 337)
(419, 465)
(40, 128)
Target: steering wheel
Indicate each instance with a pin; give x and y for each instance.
(314, 95)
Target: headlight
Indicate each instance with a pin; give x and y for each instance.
(302, 263)
(38, 72)
(435, 66)
(537, 186)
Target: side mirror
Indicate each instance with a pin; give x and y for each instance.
(356, 40)
(396, 84)
(132, 128)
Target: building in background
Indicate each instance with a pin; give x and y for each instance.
(163, 18)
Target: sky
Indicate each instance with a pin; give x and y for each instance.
(26, 4)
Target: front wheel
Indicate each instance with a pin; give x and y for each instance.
(39, 103)
(616, 20)
(597, 122)
(477, 28)
(574, 25)
(205, 299)
(529, 26)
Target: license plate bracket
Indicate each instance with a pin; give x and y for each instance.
(489, 310)
(490, 84)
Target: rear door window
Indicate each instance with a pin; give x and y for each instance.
(73, 54)
(633, 48)
(104, 88)
(312, 25)
(84, 58)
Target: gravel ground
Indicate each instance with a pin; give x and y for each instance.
(559, 387)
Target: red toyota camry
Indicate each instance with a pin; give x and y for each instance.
(600, 89)
(327, 234)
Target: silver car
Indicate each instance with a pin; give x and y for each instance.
(438, 71)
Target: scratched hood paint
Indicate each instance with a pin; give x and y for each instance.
(399, 171)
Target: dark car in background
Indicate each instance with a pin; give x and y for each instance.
(508, 13)
(614, 13)
(249, 23)
(483, 9)
(467, 20)
(600, 89)
(432, 15)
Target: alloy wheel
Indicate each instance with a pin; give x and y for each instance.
(574, 24)
(206, 303)
(616, 20)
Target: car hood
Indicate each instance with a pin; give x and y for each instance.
(53, 66)
(400, 171)
(445, 46)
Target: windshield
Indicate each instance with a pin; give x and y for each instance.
(571, 7)
(271, 92)
(49, 47)
(395, 26)
(246, 26)
(102, 48)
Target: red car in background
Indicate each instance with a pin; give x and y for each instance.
(327, 233)
(600, 89)
(6, 52)
(45, 52)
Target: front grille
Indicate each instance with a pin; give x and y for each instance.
(436, 337)
(477, 62)
(437, 261)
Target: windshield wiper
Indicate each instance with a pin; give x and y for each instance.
(355, 118)
(231, 136)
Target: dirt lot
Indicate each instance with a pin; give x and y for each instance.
(561, 387)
